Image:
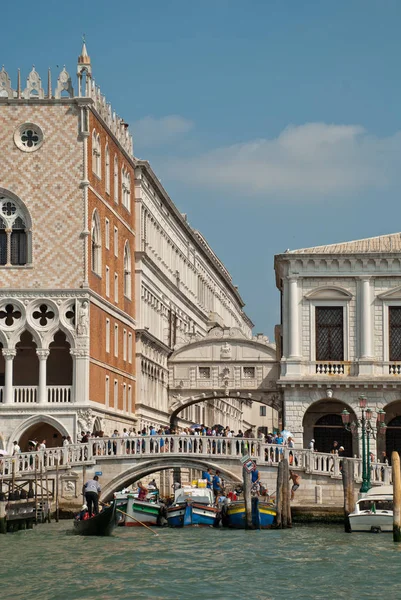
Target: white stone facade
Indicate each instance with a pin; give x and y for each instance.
(363, 279)
(183, 289)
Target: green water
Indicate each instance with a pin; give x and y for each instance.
(307, 562)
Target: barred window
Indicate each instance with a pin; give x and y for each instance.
(249, 372)
(204, 372)
(395, 332)
(329, 333)
(14, 233)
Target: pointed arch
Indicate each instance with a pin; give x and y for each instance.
(127, 270)
(115, 179)
(96, 245)
(107, 168)
(15, 230)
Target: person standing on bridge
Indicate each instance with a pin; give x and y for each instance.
(92, 492)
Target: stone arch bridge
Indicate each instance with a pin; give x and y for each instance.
(122, 461)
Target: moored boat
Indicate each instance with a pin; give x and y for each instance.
(101, 524)
(263, 514)
(138, 511)
(374, 512)
(193, 507)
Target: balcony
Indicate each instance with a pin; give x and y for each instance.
(331, 368)
(29, 394)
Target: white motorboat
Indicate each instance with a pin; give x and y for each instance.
(374, 512)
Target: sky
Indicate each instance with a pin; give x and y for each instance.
(272, 124)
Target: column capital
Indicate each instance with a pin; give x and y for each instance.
(79, 352)
(9, 353)
(293, 277)
(364, 277)
(42, 353)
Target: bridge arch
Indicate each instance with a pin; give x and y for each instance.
(161, 463)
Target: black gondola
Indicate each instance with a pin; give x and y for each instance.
(101, 524)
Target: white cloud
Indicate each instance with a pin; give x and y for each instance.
(151, 132)
(314, 159)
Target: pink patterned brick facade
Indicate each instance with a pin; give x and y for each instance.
(48, 182)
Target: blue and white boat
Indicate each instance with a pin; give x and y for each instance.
(193, 507)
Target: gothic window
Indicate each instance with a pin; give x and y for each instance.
(28, 137)
(329, 333)
(96, 247)
(125, 189)
(395, 332)
(107, 169)
(127, 271)
(14, 233)
(115, 179)
(96, 154)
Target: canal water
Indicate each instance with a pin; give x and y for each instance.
(305, 563)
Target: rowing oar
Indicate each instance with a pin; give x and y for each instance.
(133, 518)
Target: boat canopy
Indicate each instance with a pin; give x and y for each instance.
(201, 495)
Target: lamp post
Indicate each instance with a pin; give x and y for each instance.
(363, 429)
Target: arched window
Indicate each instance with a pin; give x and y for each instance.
(127, 271)
(15, 236)
(126, 188)
(96, 247)
(96, 154)
(107, 169)
(99, 156)
(115, 179)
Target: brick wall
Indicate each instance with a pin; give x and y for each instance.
(47, 181)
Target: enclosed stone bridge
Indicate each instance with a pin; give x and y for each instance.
(122, 461)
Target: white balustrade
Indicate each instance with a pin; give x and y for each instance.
(59, 394)
(213, 447)
(26, 395)
(330, 368)
(394, 369)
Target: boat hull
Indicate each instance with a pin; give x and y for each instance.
(263, 515)
(102, 524)
(144, 512)
(193, 515)
(371, 522)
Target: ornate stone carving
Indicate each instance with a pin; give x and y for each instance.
(225, 351)
(33, 86)
(83, 319)
(64, 84)
(42, 354)
(5, 85)
(85, 419)
(9, 354)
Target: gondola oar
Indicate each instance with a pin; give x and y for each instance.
(133, 518)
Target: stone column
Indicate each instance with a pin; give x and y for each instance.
(293, 318)
(9, 356)
(80, 391)
(366, 321)
(42, 355)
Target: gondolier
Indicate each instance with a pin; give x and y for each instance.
(92, 491)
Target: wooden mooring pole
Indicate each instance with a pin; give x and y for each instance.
(395, 462)
(279, 495)
(246, 477)
(348, 488)
(57, 484)
(286, 497)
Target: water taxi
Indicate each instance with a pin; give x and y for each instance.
(193, 506)
(374, 512)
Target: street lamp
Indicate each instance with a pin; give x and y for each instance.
(367, 429)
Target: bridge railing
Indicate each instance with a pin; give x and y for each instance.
(183, 445)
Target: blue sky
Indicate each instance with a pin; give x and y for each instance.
(273, 124)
